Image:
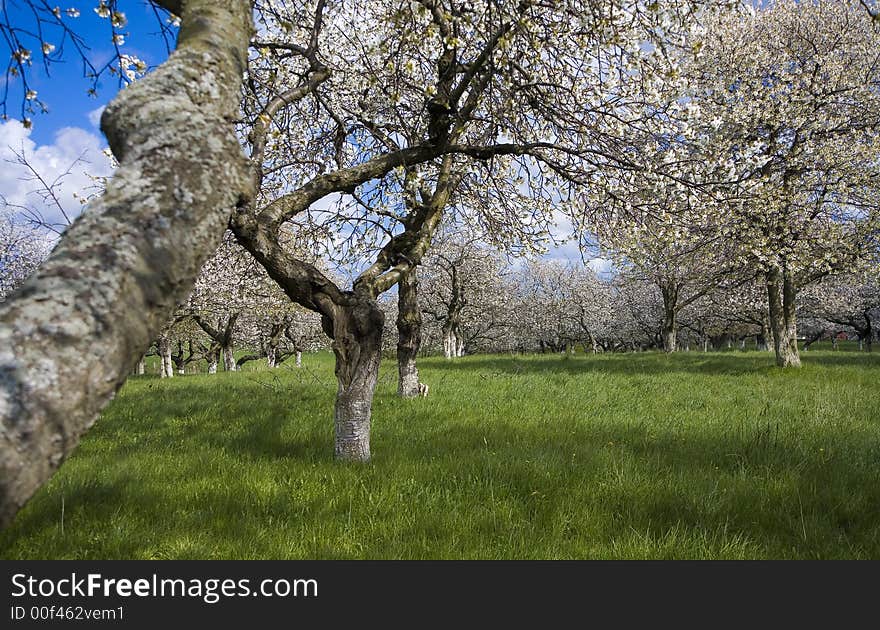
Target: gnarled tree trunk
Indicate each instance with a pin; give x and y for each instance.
(409, 329)
(120, 270)
(783, 322)
(357, 343)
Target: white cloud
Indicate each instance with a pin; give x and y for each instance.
(562, 230)
(19, 186)
(603, 267)
(94, 116)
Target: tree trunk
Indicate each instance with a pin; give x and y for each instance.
(783, 323)
(299, 358)
(229, 359)
(271, 357)
(593, 347)
(213, 360)
(409, 334)
(357, 343)
(450, 343)
(669, 334)
(166, 369)
(762, 337)
(670, 327)
(120, 270)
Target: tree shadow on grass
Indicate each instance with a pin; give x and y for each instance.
(252, 420)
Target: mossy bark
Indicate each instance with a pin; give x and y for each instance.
(120, 270)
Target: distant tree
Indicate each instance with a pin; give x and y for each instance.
(23, 247)
(791, 108)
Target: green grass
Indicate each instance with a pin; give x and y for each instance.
(619, 456)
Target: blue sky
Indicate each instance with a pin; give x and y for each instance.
(65, 90)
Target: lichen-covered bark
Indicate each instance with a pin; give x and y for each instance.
(121, 268)
(409, 329)
(357, 343)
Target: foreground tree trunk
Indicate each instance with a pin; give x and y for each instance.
(783, 322)
(120, 270)
(357, 344)
(409, 329)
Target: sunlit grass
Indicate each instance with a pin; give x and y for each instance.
(618, 456)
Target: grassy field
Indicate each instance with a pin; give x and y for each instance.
(619, 456)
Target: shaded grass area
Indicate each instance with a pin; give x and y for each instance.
(694, 455)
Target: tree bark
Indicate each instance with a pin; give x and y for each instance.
(669, 334)
(120, 270)
(213, 359)
(409, 329)
(166, 369)
(670, 328)
(357, 343)
(229, 359)
(783, 323)
(450, 345)
(761, 340)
